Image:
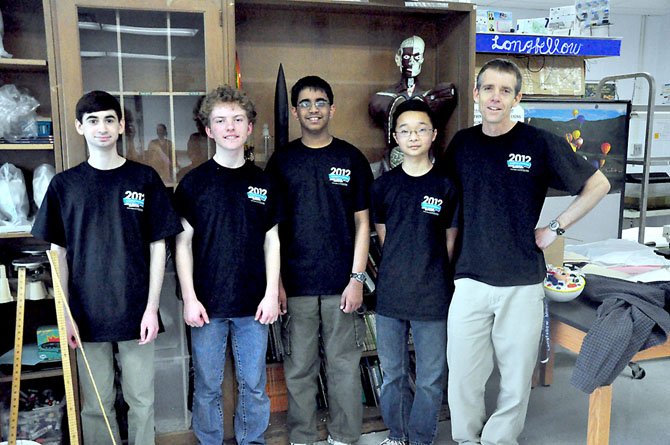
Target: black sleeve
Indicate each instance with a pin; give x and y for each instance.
(568, 170)
(161, 216)
(364, 178)
(273, 172)
(48, 224)
(377, 211)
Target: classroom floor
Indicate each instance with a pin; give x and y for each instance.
(557, 415)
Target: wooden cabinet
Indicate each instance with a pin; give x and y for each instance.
(352, 46)
(29, 38)
(156, 57)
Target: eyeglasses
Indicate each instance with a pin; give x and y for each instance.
(307, 104)
(421, 132)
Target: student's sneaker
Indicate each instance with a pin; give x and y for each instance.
(332, 441)
(389, 441)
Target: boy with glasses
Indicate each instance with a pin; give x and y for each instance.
(413, 202)
(324, 229)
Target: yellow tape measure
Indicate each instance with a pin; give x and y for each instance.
(64, 349)
(18, 352)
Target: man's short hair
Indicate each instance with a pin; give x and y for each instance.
(502, 65)
(412, 105)
(95, 101)
(314, 83)
(225, 94)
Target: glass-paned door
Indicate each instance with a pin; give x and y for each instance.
(158, 61)
(158, 58)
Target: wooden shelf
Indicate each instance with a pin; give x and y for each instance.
(24, 64)
(635, 214)
(29, 375)
(26, 146)
(15, 235)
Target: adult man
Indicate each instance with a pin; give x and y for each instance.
(324, 228)
(409, 59)
(504, 169)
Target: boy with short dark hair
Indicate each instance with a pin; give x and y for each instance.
(325, 232)
(228, 265)
(107, 220)
(415, 211)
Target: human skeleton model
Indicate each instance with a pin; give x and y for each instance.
(3, 52)
(409, 59)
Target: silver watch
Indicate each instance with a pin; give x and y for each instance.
(358, 276)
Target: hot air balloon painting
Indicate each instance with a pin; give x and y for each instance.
(595, 131)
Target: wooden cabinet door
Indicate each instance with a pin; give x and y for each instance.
(157, 58)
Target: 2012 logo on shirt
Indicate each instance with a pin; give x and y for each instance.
(133, 200)
(431, 205)
(339, 176)
(519, 162)
(257, 195)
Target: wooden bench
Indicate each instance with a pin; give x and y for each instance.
(569, 323)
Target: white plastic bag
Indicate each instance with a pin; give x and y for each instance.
(41, 179)
(17, 114)
(14, 204)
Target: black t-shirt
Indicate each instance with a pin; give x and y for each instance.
(320, 190)
(230, 209)
(414, 281)
(504, 181)
(106, 219)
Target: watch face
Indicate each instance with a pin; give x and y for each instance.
(554, 225)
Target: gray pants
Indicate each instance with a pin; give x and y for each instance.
(137, 382)
(485, 321)
(342, 339)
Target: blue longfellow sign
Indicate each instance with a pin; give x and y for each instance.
(548, 45)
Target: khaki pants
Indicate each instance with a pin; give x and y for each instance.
(342, 341)
(486, 321)
(137, 383)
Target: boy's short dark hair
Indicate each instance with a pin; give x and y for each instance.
(95, 101)
(412, 105)
(314, 83)
(504, 66)
(225, 94)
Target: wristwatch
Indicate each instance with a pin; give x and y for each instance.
(556, 227)
(358, 276)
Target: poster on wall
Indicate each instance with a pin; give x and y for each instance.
(596, 130)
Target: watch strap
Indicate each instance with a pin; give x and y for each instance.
(358, 276)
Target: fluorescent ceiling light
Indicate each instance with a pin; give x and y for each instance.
(145, 31)
(125, 55)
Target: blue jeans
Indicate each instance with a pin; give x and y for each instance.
(410, 417)
(252, 413)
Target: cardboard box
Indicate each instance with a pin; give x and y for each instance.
(555, 253)
(546, 76)
(48, 343)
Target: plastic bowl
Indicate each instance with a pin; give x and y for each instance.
(563, 285)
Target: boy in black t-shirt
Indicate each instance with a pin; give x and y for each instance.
(107, 220)
(413, 202)
(228, 265)
(503, 169)
(323, 184)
